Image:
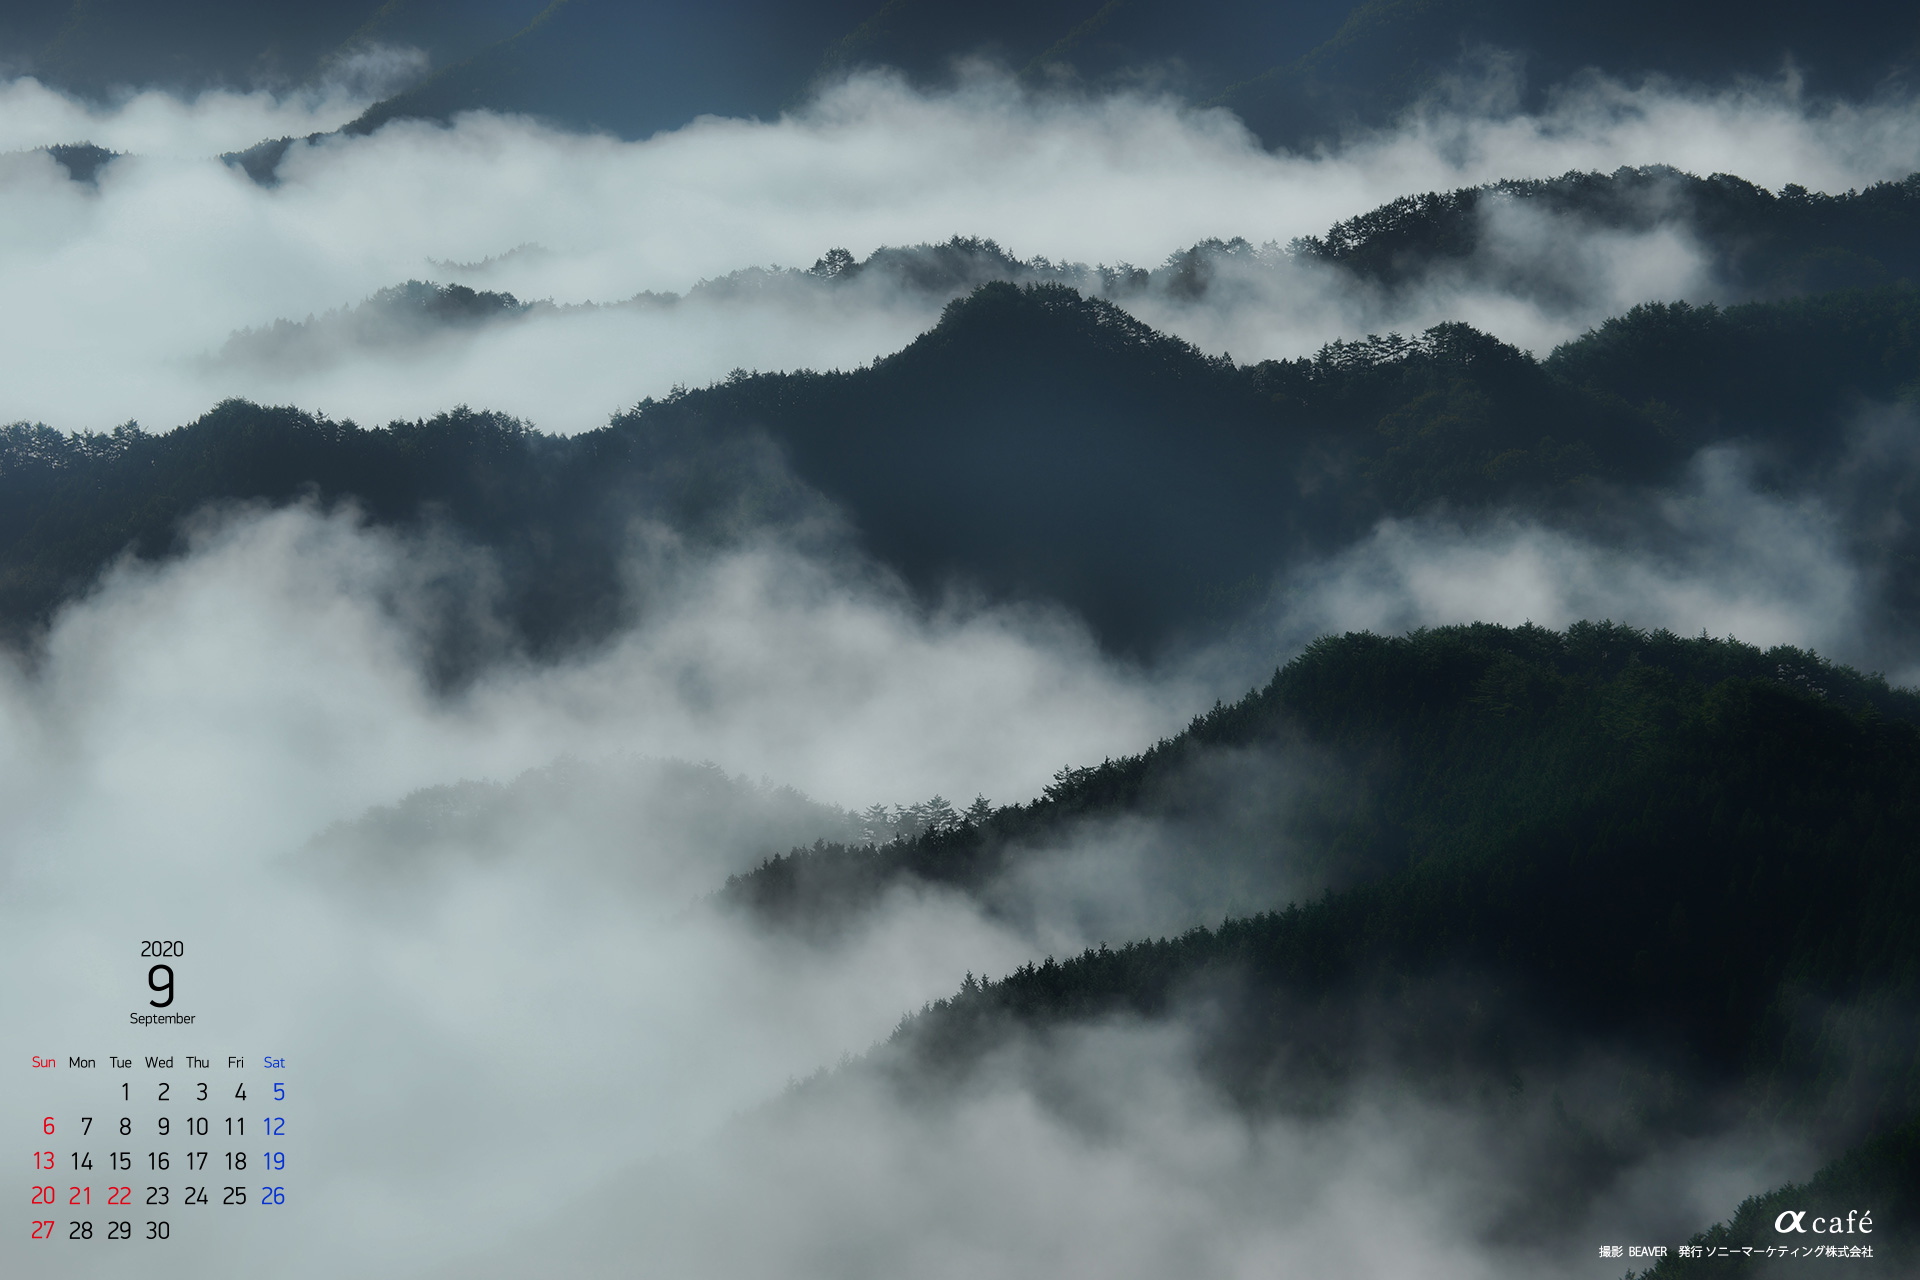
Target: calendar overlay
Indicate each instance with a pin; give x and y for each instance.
(152, 1147)
(148, 1146)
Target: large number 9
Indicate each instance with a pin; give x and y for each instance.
(166, 986)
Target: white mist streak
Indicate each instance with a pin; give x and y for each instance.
(120, 295)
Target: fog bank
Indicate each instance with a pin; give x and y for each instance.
(127, 289)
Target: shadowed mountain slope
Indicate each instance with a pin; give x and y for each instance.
(1881, 1177)
(1689, 859)
(1035, 444)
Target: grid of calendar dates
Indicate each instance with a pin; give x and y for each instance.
(144, 1148)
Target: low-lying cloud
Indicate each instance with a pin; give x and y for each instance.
(182, 758)
(525, 1007)
(1716, 554)
(537, 1012)
(125, 293)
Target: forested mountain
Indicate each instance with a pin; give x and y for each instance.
(1296, 72)
(1756, 245)
(1042, 444)
(1882, 1172)
(1760, 244)
(1480, 936)
(1406, 752)
(1689, 855)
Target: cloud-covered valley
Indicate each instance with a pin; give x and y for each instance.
(514, 1011)
(129, 289)
(484, 915)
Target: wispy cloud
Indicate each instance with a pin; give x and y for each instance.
(150, 274)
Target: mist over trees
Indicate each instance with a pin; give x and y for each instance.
(1594, 892)
(1691, 855)
(1761, 244)
(1037, 444)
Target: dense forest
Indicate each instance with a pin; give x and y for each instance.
(1692, 855)
(1882, 1172)
(1036, 443)
(1762, 244)
(1615, 904)
(1431, 755)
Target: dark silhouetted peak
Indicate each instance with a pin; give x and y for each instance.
(82, 160)
(1038, 323)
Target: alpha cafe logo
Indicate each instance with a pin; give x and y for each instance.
(1796, 1220)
